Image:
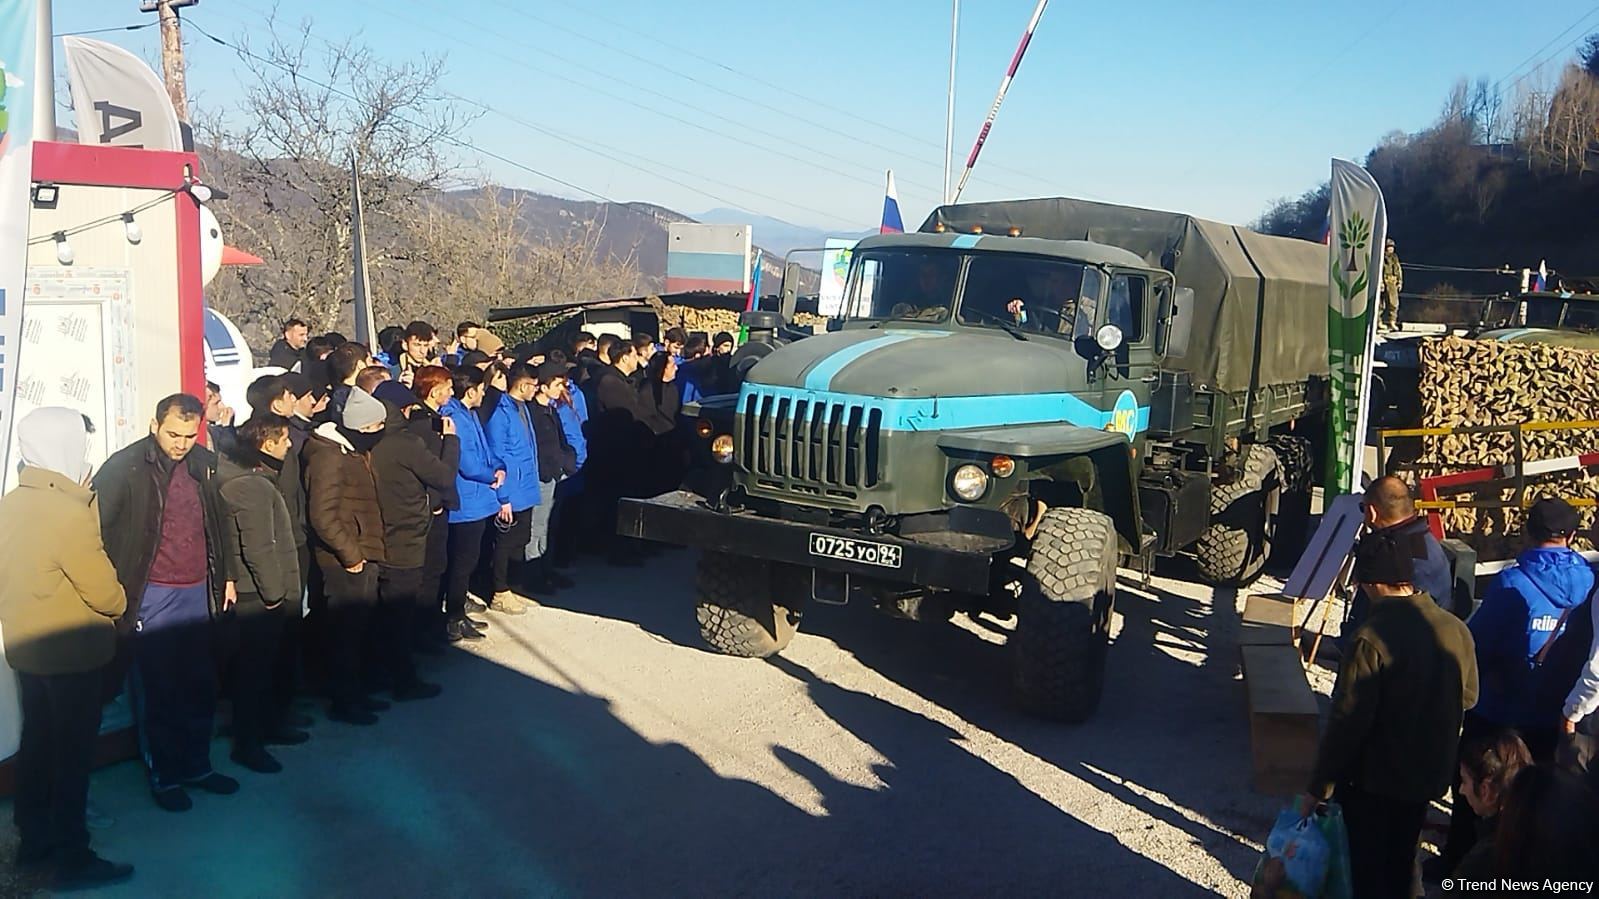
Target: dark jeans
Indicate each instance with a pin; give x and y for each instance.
(399, 596)
(173, 686)
(351, 598)
(466, 549)
(60, 724)
(566, 521)
(1383, 835)
(435, 563)
(1463, 829)
(256, 710)
(509, 544)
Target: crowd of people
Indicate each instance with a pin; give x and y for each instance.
(369, 507)
(1494, 703)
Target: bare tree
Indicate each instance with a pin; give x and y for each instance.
(308, 109)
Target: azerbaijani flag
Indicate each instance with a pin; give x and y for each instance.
(892, 223)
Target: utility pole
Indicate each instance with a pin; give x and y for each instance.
(172, 50)
(44, 76)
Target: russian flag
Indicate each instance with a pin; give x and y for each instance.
(892, 223)
(1540, 283)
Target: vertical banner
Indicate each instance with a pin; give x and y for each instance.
(1359, 227)
(366, 330)
(117, 99)
(17, 50)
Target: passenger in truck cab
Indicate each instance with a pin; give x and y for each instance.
(928, 298)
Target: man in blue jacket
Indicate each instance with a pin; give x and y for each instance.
(1524, 613)
(477, 484)
(511, 439)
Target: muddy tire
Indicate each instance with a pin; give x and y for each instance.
(1063, 615)
(735, 609)
(1234, 548)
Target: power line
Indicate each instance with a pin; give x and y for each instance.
(1536, 53)
(608, 152)
(855, 137)
(756, 78)
(105, 30)
(464, 144)
(744, 139)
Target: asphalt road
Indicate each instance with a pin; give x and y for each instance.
(592, 748)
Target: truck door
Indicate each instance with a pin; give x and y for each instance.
(1130, 373)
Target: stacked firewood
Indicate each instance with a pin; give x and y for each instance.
(1485, 382)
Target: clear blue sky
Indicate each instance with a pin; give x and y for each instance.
(1164, 103)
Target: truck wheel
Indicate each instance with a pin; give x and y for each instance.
(1234, 548)
(735, 609)
(1298, 462)
(1063, 615)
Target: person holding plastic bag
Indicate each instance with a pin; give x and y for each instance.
(1402, 690)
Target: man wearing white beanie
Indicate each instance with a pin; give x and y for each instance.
(59, 601)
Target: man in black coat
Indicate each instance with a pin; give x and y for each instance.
(161, 519)
(618, 439)
(432, 386)
(411, 477)
(289, 351)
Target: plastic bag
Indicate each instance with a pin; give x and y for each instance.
(1339, 883)
(1296, 859)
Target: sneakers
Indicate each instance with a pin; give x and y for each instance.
(352, 715)
(462, 628)
(173, 799)
(372, 705)
(416, 689)
(218, 784)
(33, 855)
(473, 604)
(506, 603)
(286, 736)
(258, 760)
(90, 870)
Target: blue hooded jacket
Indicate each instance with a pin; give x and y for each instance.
(478, 465)
(573, 415)
(1521, 613)
(510, 433)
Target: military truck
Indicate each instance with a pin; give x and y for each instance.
(1012, 403)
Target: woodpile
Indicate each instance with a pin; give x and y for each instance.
(1485, 382)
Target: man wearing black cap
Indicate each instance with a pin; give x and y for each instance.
(1517, 627)
(1389, 747)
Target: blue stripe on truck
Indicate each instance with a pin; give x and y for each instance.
(959, 412)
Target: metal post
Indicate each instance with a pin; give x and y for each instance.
(949, 109)
(44, 76)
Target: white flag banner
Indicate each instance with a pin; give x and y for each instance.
(1358, 226)
(118, 99)
(365, 325)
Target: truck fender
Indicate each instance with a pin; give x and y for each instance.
(1061, 452)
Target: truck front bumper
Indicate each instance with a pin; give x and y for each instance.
(684, 519)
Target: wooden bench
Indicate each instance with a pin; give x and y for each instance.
(1283, 715)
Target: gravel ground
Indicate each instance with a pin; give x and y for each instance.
(591, 748)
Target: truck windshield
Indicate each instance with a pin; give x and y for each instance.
(1002, 290)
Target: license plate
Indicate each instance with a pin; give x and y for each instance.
(866, 552)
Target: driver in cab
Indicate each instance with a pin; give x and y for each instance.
(1052, 309)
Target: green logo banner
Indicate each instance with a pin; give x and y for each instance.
(1358, 227)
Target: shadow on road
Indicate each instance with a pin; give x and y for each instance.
(1170, 738)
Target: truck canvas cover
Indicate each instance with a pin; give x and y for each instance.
(1251, 290)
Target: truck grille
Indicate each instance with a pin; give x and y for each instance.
(811, 445)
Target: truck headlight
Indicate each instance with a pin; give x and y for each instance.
(722, 448)
(968, 483)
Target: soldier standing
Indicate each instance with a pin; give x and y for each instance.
(1393, 278)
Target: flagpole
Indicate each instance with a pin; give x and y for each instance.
(949, 107)
(44, 76)
(999, 98)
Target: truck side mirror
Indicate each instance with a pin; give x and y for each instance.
(788, 299)
(1179, 322)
